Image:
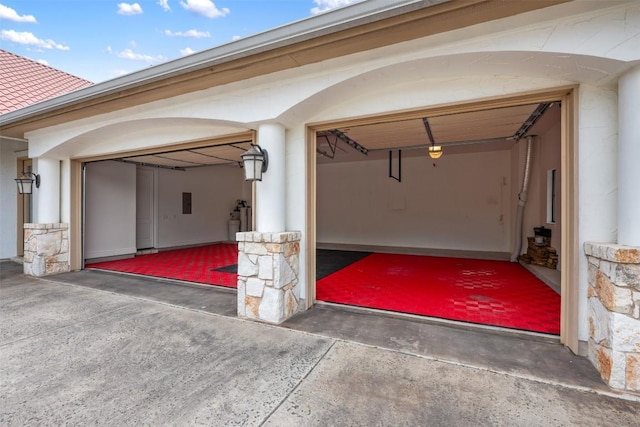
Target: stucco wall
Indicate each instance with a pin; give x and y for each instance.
(550, 159)
(111, 202)
(110, 223)
(597, 192)
(8, 197)
(545, 156)
(214, 192)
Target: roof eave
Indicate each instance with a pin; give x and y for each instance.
(362, 26)
(309, 28)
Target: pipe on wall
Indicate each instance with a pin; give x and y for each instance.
(522, 201)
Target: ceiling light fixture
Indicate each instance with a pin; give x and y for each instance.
(435, 151)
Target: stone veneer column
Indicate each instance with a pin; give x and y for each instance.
(46, 249)
(614, 313)
(268, 265)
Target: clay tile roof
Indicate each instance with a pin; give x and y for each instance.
(24, 82)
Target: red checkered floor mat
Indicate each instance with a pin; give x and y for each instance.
(198, 264)
(497, 293)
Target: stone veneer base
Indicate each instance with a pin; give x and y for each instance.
(614, 313)
(46, 249)
(268, 266)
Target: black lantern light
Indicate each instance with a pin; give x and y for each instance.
(255, 162)
(26, 181)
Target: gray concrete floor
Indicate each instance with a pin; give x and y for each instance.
(94, 348)
(547, 275)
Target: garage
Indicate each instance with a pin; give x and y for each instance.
(403, 231)
(169, 213)
(415, 216)
(368, 74)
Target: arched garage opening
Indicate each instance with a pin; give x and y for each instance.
(169, 212)
(399, 231)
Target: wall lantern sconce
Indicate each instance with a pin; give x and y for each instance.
(26, 181)
(435, 151)
(255, 162)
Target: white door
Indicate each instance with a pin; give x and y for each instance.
(145, 209)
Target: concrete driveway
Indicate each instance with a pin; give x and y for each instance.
(76, 355)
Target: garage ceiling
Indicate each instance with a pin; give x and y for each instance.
(195, 157)
(485, 130)
(478, 125)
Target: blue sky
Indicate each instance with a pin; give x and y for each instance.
(102, 39)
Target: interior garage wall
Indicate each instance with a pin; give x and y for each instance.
(8, 196)
(549, 158)
(461, 204)
(214, 191)
(110, 209)
(545, 156)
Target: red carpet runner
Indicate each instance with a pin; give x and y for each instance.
(197, 264)
(497, 293)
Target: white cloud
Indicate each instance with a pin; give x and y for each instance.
(31, 40)
(42, 61)
(129, 9)
(235, 38)
(187, 51)
(164, 4)
(325, 5)
(194, 34)
(131, 55)
(205, 8)
(11, 15)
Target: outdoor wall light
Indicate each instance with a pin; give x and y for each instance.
(255, 162)
(435, 151)
(25, 182)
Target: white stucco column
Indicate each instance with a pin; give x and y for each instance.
(49, 192)
(46, 240)
(269, 258)
(629, 158)
(270, 192)
(597, 213)
(65, 191)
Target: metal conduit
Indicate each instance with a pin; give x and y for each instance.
(522, 201)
